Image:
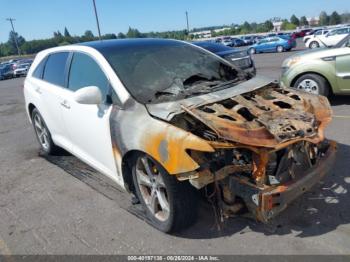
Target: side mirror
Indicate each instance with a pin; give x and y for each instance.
(90, 95)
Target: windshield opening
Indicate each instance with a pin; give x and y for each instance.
(160, 71)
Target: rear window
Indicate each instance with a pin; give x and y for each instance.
(54, 71)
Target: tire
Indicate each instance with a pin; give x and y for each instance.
(252, 51)
(314, 44)
(313, 83)
(43, 134)
(180, 198)
(279, 49)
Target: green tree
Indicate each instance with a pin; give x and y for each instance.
(345, 18)
(288, 26)
(89, 34)
(66, 33)
(133, 33)
(324, 19)
(246, 27)
(294, 20)
(303, 21)
(334, 18)
(121, 35)
(13, 37)
(268, 25)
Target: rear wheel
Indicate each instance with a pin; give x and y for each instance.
(313, 83)
(280, 49)
(170, 205)
(314, 44)
(43, 134)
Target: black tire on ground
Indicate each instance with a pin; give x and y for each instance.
(324, 88)
(51, 148)
(181, 196)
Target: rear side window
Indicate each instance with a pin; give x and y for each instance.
(85, 72)
(54, 71)
(39, 70)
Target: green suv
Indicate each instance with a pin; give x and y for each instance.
(323, 71)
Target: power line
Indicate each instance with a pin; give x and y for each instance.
(14, 34)
(97, 22)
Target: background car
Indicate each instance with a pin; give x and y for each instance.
(21, 70)
(240, 58)
(6, 71)
(236, 42)
(273, 44)
(320, 72)
(248, 40)
(329, 39)
(313, 35)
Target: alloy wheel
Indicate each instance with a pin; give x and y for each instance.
(309, 85)
(42, 132)
(152, 187)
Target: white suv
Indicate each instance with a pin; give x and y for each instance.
(166, 118)
(330, 39)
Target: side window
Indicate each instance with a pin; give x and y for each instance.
(342, 31)
(39, 70)
(54, 71)
(84, 71)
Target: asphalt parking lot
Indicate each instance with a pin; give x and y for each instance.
(60, 206)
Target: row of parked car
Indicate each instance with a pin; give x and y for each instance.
(14, 68)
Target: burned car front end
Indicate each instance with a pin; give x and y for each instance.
(245, 141)
(269, 144)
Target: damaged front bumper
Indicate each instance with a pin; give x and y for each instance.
(265, 203)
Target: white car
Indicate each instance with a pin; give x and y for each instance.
(316, 33)
(330, 39)
(165, 119)
(21, 70)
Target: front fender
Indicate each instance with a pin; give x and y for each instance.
(325, 69)
(135, 129)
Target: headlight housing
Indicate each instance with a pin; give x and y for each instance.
(292, 61)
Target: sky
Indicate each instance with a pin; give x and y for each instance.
(36, 19)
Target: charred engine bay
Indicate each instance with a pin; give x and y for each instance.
(262, 139)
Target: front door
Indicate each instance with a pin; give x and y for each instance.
(343, 71)
(88, 125)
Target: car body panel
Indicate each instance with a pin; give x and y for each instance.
(271, 44)
(331, 63)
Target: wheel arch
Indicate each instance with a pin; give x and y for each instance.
(31, 107)
(127, 161)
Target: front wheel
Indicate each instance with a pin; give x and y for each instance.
(170, 205)
(313, 83)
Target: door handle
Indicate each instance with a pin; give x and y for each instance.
(347, 77)
(65, 104)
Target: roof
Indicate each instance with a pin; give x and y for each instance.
(121, 43)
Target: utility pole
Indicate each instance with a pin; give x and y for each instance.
(188, 27)
(97, 22)
(14, 34)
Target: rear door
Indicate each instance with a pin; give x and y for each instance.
(337, 36)
(49, 81)
(88, 125)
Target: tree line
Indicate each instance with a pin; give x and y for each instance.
(34, 46)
